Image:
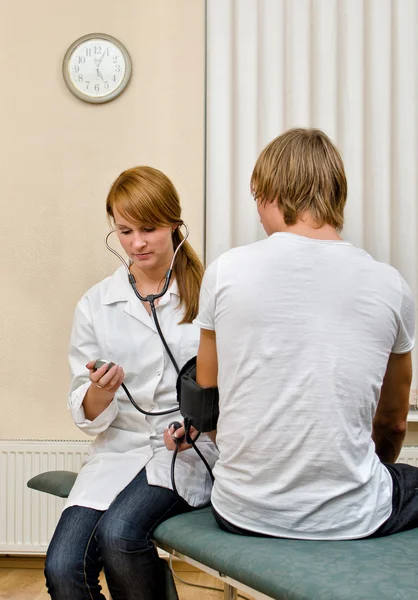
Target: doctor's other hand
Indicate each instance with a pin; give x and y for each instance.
(171, 433)
(104, 379)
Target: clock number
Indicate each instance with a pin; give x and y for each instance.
(80, 77)
(106, 85)
(97, 49)
(87, 85)
(97, 87)
(115, 58)
(81, 60)
(114, 78)
(88, 51)
(118, 68)
(76, 68)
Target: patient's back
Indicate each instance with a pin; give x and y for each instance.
(304, 330)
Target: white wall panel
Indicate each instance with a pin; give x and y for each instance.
(219, 110)
(350, 107)
(324, 65)
(377, 128)
(271, 81)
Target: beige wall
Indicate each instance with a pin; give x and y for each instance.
(58, 158)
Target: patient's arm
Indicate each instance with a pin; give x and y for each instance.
(206, 376)
(207, 364)
(390, 420)
(207, 359)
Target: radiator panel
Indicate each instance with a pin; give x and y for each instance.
(27, 517)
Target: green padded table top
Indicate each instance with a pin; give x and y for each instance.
(380, 569)
(375, 569)
(57, 483)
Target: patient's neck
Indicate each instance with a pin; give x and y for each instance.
(308, 227)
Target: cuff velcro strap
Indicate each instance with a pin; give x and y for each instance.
(199, 404)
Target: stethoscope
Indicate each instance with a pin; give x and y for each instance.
(151, 298)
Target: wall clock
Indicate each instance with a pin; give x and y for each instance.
(97, 68)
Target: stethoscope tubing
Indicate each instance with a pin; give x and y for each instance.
(145, 412)
(150, 298)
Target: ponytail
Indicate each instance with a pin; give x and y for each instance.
(188, 271)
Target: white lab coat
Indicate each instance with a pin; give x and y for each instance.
(111, 323)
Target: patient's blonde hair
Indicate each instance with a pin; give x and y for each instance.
(302, 171)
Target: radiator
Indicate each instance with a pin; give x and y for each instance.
(27, 517)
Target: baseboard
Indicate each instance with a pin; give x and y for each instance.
(22, 562)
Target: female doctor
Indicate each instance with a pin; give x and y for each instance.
(124, 489)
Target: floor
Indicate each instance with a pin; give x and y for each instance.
(22, 579)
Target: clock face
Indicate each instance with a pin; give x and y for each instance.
(97, 68)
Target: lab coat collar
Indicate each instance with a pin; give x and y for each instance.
(119, 290)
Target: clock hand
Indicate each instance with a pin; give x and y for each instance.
(98, 63)
(101, 58)
(98, 60)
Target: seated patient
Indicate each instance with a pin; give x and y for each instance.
(309, 340)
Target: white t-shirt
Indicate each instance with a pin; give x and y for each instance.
(304, 330)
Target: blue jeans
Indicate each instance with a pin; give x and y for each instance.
(404, 513)
(118, 540)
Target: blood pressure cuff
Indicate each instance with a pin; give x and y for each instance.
(199, 404)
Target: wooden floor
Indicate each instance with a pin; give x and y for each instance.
(23, 579)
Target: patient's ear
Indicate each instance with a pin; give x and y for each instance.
(271, 216)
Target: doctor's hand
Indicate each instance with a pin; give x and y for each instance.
(170, 435)
(101, 392)
(106, 381)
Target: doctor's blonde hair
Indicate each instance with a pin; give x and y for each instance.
(301, 170)
(146, 195)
